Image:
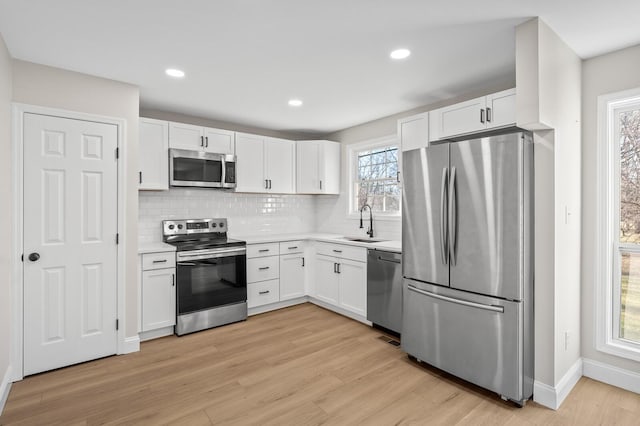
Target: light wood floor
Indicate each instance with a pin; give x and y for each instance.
(297, 366)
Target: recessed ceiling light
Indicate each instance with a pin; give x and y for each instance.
(175, 73)
(295, 102)
(400, 54)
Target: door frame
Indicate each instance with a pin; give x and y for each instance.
(17, 328)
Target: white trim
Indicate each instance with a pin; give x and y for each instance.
(339, 310)
(123, 344)
(611, 375)
(607, 255)
(553, 397)
(154, 334)
(277, 305)
(130, 344)
(5, 388)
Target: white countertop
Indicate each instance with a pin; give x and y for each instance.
(391, 245)
(155, 248)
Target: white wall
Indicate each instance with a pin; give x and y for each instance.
(548, 79)
(57, 88)
(6, 207)
(604, 74)
(248, 214)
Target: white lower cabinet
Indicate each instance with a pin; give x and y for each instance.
(353, 286)
(292, 276)
(327, 279)
(158, 307)
(262, 293)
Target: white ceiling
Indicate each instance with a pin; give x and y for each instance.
(244, 59)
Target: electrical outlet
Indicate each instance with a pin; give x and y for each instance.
(567, 334)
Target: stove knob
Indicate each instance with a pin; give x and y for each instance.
(179, 226)
(171, 226)
(213, 225)
(221, 224)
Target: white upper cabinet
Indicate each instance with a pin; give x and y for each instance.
(318, 167)
(413, 131)
(154, 157)
(196, 138)
(483, 113)
(265, 164)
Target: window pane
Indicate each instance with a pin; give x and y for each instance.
(376, 179)
(630, 176)
(630, 297)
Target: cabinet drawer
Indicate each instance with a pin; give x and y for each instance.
(289, 247)
(263, 293)
(261, 250)
(358, 254)
(262, 269)
(158, 260)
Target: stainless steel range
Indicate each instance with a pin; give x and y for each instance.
(211, 274)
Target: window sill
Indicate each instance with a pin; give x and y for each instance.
(376, 217)
(620, 349)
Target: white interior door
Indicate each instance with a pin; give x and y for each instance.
(70, 253)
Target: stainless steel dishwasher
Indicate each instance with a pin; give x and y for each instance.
(384, 289)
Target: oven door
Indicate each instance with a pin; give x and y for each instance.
(211, 280)
(195, 168)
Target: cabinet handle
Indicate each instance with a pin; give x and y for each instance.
(292, 248)
(139, 177)
(266, 184)
(303, 262)
(160, 261)
(337, 251)
(263, 250)
(482, 115)
(206, 140)
(173, 280)
(488, 115)
(269, 183)
(263, 292)
(263, 268)
(398, 177)
(335, 268)
(338, 267)
(320, 184)
(202, 141)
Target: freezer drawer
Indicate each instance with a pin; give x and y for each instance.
(476, 338)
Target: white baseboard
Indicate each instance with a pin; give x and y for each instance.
(340, 311)
(130, 344)
(277, 305)
(611, 375)
(154, 334)
(5, 387)
(552, 397)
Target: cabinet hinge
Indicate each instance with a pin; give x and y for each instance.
(117, 238)
(117, 324)
(117, 153)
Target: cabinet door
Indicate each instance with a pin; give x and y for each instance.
(280, 165)
(501, 109)
(154, 154)
(219, 141)
(330, 167)
(291, 276)
(327, 285)
(308, 167)
(185, 136)
(413, 132)
(250, 163)
(158, 299)
(353, 286)
(461, 118)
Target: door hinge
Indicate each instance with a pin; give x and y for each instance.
(117, 153)
(117, 238)
(117, 324)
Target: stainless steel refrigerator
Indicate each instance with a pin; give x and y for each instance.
(467, 256)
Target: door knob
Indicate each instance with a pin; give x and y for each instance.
(34, 257)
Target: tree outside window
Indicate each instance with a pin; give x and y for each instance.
(376, 181)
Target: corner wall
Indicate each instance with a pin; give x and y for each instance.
(6, 211)
(41, 85)
(601, 75)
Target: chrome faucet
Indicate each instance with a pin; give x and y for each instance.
(370, 230)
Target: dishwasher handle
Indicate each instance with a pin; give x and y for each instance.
(398, 261)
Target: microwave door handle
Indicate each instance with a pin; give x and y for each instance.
(223, 180)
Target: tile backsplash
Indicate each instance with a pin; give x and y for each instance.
(248, 214)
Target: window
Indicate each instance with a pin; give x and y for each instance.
(619, 198)
(375, 177)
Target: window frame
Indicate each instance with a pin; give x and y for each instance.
(609, 248)
(352, 158)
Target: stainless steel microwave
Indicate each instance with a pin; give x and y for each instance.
(201, 169)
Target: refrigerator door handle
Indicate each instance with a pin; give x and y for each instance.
(453, 216)
(444, 199)
(493, 308)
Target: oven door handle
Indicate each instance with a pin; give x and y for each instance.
(212, 254)
(187, 264)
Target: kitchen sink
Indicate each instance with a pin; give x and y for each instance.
(363, 240)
